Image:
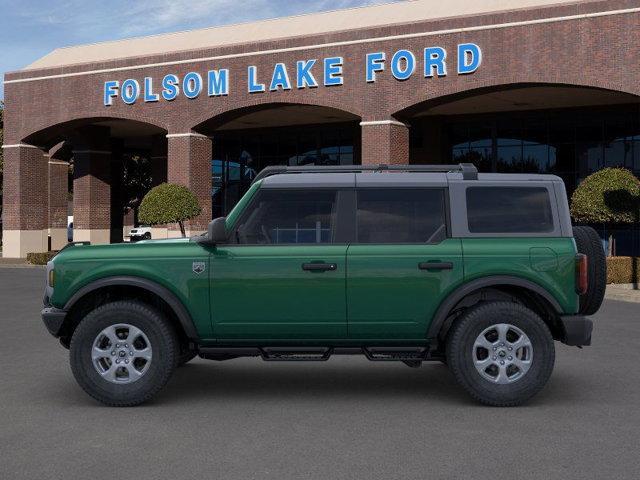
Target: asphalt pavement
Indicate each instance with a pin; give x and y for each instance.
(347, 418)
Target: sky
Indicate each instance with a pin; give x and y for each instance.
(29, 29)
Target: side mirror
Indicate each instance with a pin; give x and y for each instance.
(217, 230)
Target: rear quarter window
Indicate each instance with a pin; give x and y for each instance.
(509, 210)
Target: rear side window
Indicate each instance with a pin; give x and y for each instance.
(509, 210)
(401, 216)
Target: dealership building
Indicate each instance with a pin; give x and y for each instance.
(545, 86)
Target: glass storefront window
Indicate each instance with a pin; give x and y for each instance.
(571, 143)
(239, 155)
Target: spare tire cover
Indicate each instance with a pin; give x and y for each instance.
(588, 242)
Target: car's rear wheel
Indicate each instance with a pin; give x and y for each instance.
(588, 242)
(123, 353)
(502, 353)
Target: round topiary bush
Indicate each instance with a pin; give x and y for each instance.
(169, 203)
(610, 196)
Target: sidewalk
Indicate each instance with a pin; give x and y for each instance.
(627, 292)
(16, 263)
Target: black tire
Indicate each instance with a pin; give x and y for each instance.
(460, 353)
(588, 242)
(164, 347)
(147, 236)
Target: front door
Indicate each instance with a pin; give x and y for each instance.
(402, 264)
(284, 276)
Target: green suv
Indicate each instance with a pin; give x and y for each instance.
(398, 263)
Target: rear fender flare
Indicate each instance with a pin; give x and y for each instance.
(462, 291)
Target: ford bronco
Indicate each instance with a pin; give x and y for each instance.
(482, 272)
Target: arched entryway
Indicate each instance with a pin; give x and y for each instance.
(564, 130)
(249, 139)
(560, 129)
(92, 172)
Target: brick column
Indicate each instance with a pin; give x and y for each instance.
(158, 160)
(385, 141)
(92, 185)
(25, 203)
(58, 191)
(59, 157)
(189, 164)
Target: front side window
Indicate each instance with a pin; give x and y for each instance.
(289, 217)
(509, 210)
(401, 216)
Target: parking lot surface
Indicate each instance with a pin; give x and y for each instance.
(347, 418)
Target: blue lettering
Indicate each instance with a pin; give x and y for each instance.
(218, 82)
(192, 85)
(375, 63)
(434, 58)
(304, 77)
(280, 78)
(170, 87)
(333, 71)
(110, 92)
(149, 96)
(130, 91)
(403, 64)
(254, 87)
(469, 58)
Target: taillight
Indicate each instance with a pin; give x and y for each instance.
(582, 276)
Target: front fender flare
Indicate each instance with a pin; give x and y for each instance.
(164, 293)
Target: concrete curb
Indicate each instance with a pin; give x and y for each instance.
(20, 265)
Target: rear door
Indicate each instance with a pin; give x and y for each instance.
(284, 278)
(402, 264)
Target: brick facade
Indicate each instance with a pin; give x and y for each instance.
(589, 43)
(385, 142)
(189, 164)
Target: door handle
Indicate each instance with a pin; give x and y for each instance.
(319, 267)
(435, 265)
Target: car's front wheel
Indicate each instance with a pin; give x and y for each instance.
(502, 353)
(123, 353)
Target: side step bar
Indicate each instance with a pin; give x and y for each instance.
(317, 354)
(295, 354)
(396, 354)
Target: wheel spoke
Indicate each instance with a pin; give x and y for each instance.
(523, 365)
(110, 374)
(502, 375)
(502, 329)
(98, 353)
(144, 353)
(482, 341)
(522, 341)
(133, 373)
(110, 333)
(134, 332)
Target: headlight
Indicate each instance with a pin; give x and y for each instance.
(52, 278)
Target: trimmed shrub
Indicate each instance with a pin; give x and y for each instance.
(610, 196)
(623, 270)
(40, 258)
(169, 203)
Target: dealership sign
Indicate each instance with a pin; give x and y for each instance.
(308, 73)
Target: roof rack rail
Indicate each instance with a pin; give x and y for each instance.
(468, 170)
